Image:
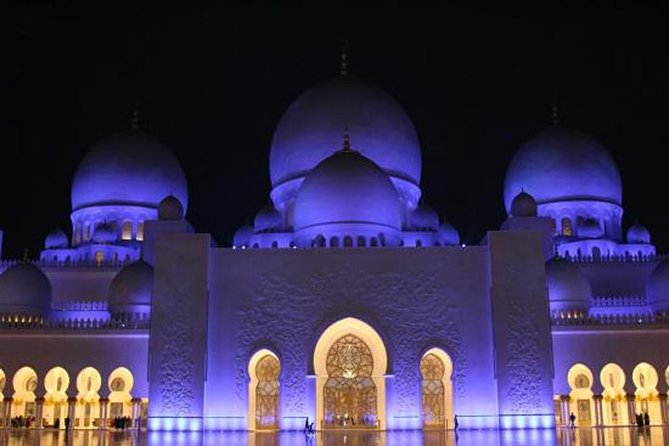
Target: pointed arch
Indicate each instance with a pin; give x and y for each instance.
(645, 380)
(437, 389)
(351, 350)
(581, 403)
(56, 383)
(614, 402)
(86, 411)
(264, 390)
(120, 383)
(25, 385)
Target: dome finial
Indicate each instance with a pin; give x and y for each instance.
(135, 116)
(347, 141)
(555, 113)
(343, 66)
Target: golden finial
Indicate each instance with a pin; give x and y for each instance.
(347, 141)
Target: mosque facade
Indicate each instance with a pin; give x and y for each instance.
(348, 303)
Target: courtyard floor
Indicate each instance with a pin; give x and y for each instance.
(655, 436)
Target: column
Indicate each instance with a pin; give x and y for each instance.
(102, 421)
(664, 410)
(564, 406)
(39, 408)
(136, 411)
(7, 413)
(71, 403)
(631, 408)
(599, 414)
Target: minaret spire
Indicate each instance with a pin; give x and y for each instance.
(347, 141)
(343, 65)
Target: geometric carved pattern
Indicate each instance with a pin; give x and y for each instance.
(350, 393)
(267, 393)
(432, 370)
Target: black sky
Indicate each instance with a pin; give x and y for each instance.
(213, 80)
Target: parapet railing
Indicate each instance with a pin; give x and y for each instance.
(650, 258)
(619, 301)
(640, 319)
(20, 322)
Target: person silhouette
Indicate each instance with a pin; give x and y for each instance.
(646, 419)
(306, 425)
(455, 422)
(572, 420)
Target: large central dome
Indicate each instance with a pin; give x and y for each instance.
(563, 164)
(128, 168)
(314, 122)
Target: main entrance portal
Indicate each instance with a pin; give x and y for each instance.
(350, 393)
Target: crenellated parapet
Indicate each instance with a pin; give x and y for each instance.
(641, 319)
(21, 322)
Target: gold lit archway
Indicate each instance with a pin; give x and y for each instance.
(264, 371)
(436, 369)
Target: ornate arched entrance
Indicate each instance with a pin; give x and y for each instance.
(350, 362)
(264, 371)
(436, 389)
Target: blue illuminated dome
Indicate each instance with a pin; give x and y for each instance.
(638, 234)
(56, 239)
(170, 208)
(657, 287)
(25, 289)
(562, 164)
(268, 219)
(347, 189)
(128, 168)
(424, 218)
(568, 287)
(131, 288)
(313, 125)
(448, 235)
(524, 205)
(242, 236)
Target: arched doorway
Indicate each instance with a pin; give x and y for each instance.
(56, 382)
(581, 402)
(25, 385)
(264, 371)
(647, 399)
(120, 384)
(3, 383)
(350, 361)
(436, 369)
(87, 410)
(614, 403)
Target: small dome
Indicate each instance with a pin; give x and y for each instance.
(242, 237)
(56, 239)
(424, 218)
(170, 208)
(563, 165)
(131, 287)
(657, 287)
(128, 168)
(25, 289)
(568, 287)
(104, 234)
(590, 229)
(523, 205)
(638, 234)
(268, 219)
(448, 235)
(347, 188)
(312, 125)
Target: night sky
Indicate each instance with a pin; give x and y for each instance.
(213, 80)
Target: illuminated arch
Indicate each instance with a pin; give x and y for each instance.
(87, 409)
(581, 403)
(363, 332)
(56, 382)
(3, 382)
(614, 404)
(25, 385)
(264, 390)
(666, 376)
(647, 401)
(437, 388)
(120, 383)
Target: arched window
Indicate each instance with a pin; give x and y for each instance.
(419, 243)
(596, 253)
(319, 242)
(126, 230)
(334, 242)
(373, 242)
(140, 230)
(99, 258)
(77, 234)
(87, 231)
(348, 241)
(275, 244)
(567, 230)
(361, 241)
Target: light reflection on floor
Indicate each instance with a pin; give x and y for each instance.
(655, 436)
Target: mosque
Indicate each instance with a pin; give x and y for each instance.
(348, 302)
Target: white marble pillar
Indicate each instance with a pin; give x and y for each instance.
(631, 408)
(564, 406)
(39, 410)
(71, 403)
(102, 421)
(7, 412)
(664, 410)
(136, 411)
(599, 414)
